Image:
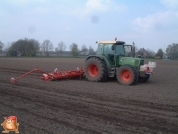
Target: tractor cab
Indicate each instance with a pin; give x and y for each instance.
(114, 51)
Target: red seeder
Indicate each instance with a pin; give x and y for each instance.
(56, 75)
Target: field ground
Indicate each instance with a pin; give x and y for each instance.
(78, 106)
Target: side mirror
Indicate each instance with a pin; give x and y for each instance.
(113, 47)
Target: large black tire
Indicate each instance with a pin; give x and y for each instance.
(144, 79)
(127, 75)
(95, 70)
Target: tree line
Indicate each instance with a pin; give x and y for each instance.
(30, 47)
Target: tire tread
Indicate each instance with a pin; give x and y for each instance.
(103, 76)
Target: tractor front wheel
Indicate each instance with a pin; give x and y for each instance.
(127, 75)
(95, 70)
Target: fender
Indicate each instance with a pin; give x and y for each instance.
(91, 56)
(103, 58)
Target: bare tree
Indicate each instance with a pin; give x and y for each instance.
(172, 51)
(128, 51)
(151, 53)
(136, 49)
(7, 46)
(24, 47)
(61, 47)
(74, 49)
(159, 53)
(56, 49)
(1, 46)
(84, 50)
(46, 47)
(91, 51)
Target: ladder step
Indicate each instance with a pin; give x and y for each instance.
(112, 72)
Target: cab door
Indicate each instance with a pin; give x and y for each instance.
(109, 53)
(119, 52)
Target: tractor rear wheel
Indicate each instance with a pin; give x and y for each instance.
(95, 70)
(144, 79)
(127, 75)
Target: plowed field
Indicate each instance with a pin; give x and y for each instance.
(78, 106)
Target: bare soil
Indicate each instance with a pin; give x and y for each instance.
(79, 106)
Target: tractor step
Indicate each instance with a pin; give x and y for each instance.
(112, 72)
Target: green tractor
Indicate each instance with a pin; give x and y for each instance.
(110, 61)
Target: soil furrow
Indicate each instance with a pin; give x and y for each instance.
(79, 107)
(102, 112)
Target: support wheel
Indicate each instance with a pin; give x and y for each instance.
(127, 75)
(95, 70)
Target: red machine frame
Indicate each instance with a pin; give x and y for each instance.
(56, 75)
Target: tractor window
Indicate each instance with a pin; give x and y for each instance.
(108, 49)
(120, 50)
(109, 53)
(99, 51)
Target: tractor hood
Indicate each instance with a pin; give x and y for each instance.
(130, 61)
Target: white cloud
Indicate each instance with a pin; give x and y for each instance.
(24, 2)
(41, 10)
(95, 6)
(155, 30)
(170, 3)
(155, 21)
(101, 6)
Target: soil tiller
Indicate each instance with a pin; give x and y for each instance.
(56, 75)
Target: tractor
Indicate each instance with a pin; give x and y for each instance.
(110, 61)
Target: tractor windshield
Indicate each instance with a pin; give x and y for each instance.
(106, 49)
(120, 50)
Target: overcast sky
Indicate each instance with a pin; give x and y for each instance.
(150, 24)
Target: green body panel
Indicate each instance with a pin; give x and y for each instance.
(119, 61)
(128, 61)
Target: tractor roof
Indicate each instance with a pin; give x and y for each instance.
(110, 42)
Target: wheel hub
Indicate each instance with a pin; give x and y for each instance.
(93, 70)
(126, 75)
